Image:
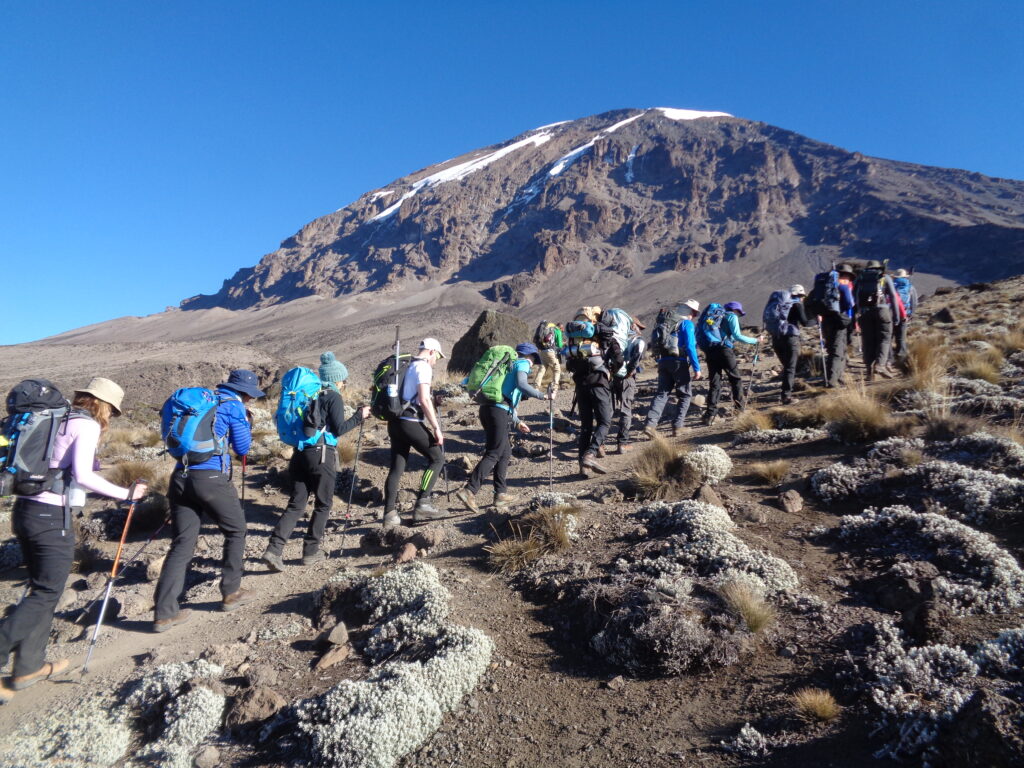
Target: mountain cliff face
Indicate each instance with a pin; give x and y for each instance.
(640, 192)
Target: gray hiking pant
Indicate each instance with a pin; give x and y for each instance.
(623, 396)
(787, 349)
(876, 334)
(595, 404)
(48, 550)
(673, 376)
(900, 350)
(201, 491)
(836, 333)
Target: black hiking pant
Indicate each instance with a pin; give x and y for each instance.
(876, 335)
(836, 332)
(673, 376)
(899, 334)
(201, 491)
(49, 550)
(623, 397)
(312, 470)
(404, 436)
(722, 362)
(595, 404)
(497, 449)
(787, 349)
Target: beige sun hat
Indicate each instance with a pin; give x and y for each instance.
(105, 390)
(692, 304)
(901, 273)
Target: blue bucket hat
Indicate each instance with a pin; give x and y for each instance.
(526, 348)
(734, 306)
(244, 382)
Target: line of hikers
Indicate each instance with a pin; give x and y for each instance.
(48, 445)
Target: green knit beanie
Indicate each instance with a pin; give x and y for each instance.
(331, 370)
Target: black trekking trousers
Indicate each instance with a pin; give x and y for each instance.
(497, 449)
(623, 397)
(837, 334)
(49, 550)
(406, 435)
(876, 335)
(900, 349)
(787, 349)
(312, 470)
(673, 376)
(209, 492)
(722, 360)
(595, 404)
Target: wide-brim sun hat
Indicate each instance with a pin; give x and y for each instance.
(105, 390)
(734, 306)
(845, 269)
(692, 304)
(526, 348)
(432, 345)
(901, 273)
(244, 382)
(797, 290)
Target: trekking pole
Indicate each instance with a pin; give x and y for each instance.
(124, 568)
(753, 368)
(821, 343)
(551, 437)
(113, 575)
(351, 488)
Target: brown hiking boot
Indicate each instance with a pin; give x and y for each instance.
(601, 452)
(651, 431)
(274, 561)
(504, 499)
(162, 625)
(622, 448)
(236, 600)
(468, 498)
(591, 463)
(49, 670)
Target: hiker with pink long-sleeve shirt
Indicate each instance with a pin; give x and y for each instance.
(43, 527)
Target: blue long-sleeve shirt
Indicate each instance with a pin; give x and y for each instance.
(231, 421)
(687, 340)
(731, 331)
(516, 385)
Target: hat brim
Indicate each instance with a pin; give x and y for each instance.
(99, 396)
(244, 389)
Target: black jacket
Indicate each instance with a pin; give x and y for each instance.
(329, 411)
(585, 373)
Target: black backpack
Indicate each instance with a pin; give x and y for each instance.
(869, 288)
(386, 395)
(825, 296)
(664, 341)
(35, 412)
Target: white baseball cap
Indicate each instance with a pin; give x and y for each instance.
(692, 304)
(797, 290)
(433, 345)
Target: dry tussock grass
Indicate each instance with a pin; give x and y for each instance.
(534, 535)
(756, 612)
(133, 435)
(346, 452)
(979, 364)
(156, 474)
(748, 421)
(857, 417)
(658, 472)
(1010, 342)
(771, 472)
(925, 364)
(816, 704)
(791, 417)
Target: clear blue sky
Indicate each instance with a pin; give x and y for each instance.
(148, 150)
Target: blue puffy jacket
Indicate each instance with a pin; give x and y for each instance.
(231, 421)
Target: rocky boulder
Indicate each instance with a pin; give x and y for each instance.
(490, 328)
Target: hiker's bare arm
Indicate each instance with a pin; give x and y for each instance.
(427, 403)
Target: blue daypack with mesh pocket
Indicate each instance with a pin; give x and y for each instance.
(186, 425)
(709, 327)
(300, 421)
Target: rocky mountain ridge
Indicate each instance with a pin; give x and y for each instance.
(640, 194)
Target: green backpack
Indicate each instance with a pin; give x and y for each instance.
(488, 374)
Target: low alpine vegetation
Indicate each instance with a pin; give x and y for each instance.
(856, 417)
(771, 472)
(658, 472)
(748, 604)
(815, 704)
(540, 532)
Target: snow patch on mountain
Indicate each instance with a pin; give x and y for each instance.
(462, 170)
(688, 114)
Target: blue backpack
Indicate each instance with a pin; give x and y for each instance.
(902, 285)
(709, 327)
(186, 425)
(300, 421)
(776, 315)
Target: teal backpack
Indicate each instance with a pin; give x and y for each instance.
(300, 419)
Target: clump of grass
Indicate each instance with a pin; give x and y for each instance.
(911, 458)
(757, 613)
(925, 364)
(155, 474)
(771, 472)
(1007, 343)
(536, 534)
(346, 452)
(750, 421)
(857, 417)
(658, 472)
(979, 368)
(791, 417)
(815, 704)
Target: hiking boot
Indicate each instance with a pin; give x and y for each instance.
(468, 498)
(651, 431)
(590, 462)
(314, 558)
(162, 625)
(391, 519)
(887, 372)
(426, 512)
(708, 418)
(787, 399)
(506, 498)
(274, 561)
(600, 452)
(6, 694)
(236, 600)
(622, 448)
(48, 670)
(583, 468)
